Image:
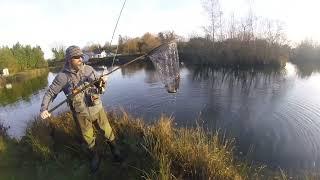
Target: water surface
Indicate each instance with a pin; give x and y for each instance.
(273, 114)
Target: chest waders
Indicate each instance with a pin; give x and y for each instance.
(87, 108)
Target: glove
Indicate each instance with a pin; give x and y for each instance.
(105, 78)
(45, 114)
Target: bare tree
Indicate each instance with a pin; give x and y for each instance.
(212, 8)
(274, 32)
(220, 25)
(250, 20)
(167, 36)
(232, 27)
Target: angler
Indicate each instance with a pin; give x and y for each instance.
(85, 105)
(82, 87)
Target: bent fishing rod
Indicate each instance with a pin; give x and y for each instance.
(85, 87)
(71, 96)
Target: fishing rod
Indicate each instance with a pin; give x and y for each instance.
(114, 30)
(71, 96)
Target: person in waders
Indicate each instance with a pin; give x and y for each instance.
(86, 106)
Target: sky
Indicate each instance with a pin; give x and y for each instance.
(69, 22)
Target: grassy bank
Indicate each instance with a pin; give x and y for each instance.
(24, 75)
(157, 151)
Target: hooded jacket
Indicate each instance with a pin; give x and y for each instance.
(69, 79)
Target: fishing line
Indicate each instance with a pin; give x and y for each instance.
(114, 30)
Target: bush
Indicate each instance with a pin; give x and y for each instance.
(231, 52)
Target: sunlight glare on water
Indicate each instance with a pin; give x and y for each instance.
(290, 69)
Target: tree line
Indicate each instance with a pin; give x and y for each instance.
(21, 57)
(227, 41)
(306, 57)
(306, 52)
(240, 48)
(136, 45)
(126, 45)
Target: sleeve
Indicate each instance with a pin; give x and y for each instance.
(54, 89)
(93, 73)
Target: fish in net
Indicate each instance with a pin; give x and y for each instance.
(166, 61)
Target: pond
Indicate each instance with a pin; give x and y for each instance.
(274, 115)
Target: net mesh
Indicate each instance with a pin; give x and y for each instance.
(166, 61)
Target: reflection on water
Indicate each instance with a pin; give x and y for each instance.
(247, 79)
(305, 70)
(21, 104)
(136, 67)
(16, 91)
(273, 114)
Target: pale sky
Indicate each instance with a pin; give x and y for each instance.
(65, 22)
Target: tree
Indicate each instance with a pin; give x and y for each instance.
(232, 27)
(108, 47)
(149, 42)
(58, 53)
(38, 57)
(94, 47)
(18, 53)
(21, 57)
(212, 8)
(8, 60)
(167, 36)
(132, 45)
(251, 20)
(28, 56)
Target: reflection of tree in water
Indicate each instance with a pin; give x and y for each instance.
(246, 78)
(23, 90)
(242, 103)
(235, 90)
(305, 70)
(137, 66)
(146, 66)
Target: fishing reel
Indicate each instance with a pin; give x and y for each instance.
(100, 84)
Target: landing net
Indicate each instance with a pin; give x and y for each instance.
(166, 61)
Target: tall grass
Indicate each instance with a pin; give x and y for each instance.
(52, 150)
